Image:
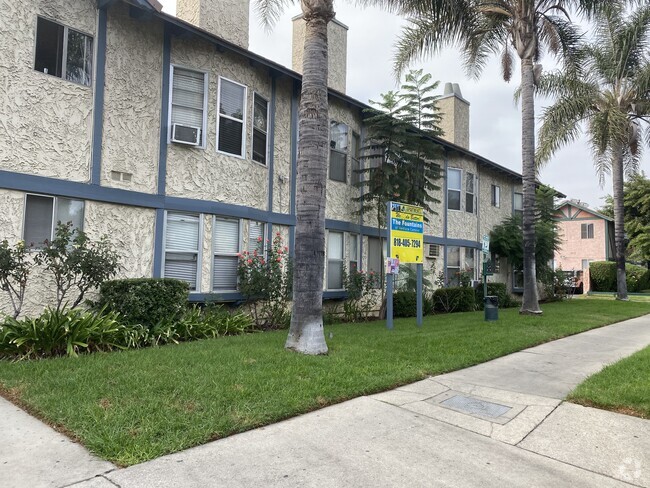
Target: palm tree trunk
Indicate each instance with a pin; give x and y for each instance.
(619, 230)
(530, 303)
(306, 333)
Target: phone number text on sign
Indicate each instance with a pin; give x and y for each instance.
(406, 232)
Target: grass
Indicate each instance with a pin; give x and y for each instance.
(133, 406)
(621, 387)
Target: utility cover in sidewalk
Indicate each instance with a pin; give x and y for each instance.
(474, 406)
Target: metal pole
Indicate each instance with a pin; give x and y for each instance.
(419, 268)
(389, 276)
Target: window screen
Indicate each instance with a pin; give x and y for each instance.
(260, 128)
(232, 110)
(453, 265)
(335, 260)
(469, 192)
(188, 98)
(182, 247)
(338, 151)
(256, 239)
(354, 252)
(226, 246)
(453, 188)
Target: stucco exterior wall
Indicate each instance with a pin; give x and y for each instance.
(227, 19)
(574, 249)
(282, 147)
(132, 100)
(455, 120)
(46, 121)
(340, 204)
(203, 173)
(489, 215)
(461, 224)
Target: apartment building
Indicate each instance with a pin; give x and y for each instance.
(168, 135)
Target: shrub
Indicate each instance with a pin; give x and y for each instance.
(146, 301)
(495, 289)
(14, 271)
(60, 332)
(77, 262)
(362, 294)
(644, 282)
(454, 299)
(405, 304)
(603, 276)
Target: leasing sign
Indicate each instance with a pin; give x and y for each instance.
(406, 228)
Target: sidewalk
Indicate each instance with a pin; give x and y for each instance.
(498, 424)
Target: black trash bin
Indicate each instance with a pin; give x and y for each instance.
(491, 308)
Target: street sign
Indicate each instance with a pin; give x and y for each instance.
(486, 244)
(406, 232)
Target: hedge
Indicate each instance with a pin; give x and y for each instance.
(405, 304)
(603, 276)
(146, 301)
(455, 299)
(495, 289)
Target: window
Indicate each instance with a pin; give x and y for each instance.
(42, 213)
(453, 188)
(338, 151)
(182, 247)
(189, 98)
(496, 196)
(453, 265)
(230, 121)
(356, 156)
(226, 247)
(353, 252)
(518, 279)
(587, 231)
(469, 193)
(376, 253)
(334, 260)
(518, 202)
(468, 262)
(63, 52)
(256, 239)
(260, 128)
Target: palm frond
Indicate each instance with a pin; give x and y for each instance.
(270, 11)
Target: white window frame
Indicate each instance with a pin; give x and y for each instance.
(495, 196)
(342, 259)
(514, 200)
(243, 120)
(64, 48)
(199, 255)
(248, 237)
(587, 227)
(450, 278)
(346, 153)
(213, 254)
(268, 120)
(206, 84)
(55, 206)
(459, 190)
(349, 249)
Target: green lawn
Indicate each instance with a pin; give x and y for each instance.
(622, 387)
(132, 406)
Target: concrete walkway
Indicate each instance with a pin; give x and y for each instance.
(499, 424)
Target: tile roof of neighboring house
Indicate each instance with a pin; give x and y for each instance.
(584, 209)
(255, 58)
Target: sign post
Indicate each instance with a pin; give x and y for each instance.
(486, 251)
(405, 245)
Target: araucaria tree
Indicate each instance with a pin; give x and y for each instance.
(507, 28)
(609, 90)
(306, 334)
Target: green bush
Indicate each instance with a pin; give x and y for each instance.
(455, 299)
(405, 304)
(603, 276)
(146, 301)
(60, 332)
(495, 289)
(644, 282)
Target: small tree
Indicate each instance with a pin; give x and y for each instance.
(14, 271)
(76, 262)
(266, 282)
(361, 288)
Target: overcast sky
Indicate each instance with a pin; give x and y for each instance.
(495, 120)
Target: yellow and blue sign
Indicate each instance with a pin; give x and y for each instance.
(406, 232)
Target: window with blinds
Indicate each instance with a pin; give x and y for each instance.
(469, 193)
(188, 100)
(338, 151)
(226, 246)
(353, 251)
(260, 129)
(230, 122)
(256, 238)
(182, 247)
(335, 260)
(453, 188)
(43, 213)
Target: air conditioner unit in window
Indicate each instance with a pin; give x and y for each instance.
(185, 134)
(433, 250)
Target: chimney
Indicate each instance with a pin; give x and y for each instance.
(337, 52)
(227, 19)
(455, 116)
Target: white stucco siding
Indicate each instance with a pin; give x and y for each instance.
(340, 203)
(132, 100)
(491, 215)
(462, 224)
(205, 173)
(46, 124)
(130, 229)
(282, 149)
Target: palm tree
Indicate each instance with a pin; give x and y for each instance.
(610, 91)
(306, 333)
(482, 28)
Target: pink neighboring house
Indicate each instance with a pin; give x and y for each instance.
(586, 234)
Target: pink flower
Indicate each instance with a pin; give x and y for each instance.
(259, 239)
(239, 255)
(250, 261)
(261, 261)
(277, 234)
(279, 260)
(286, 249)
(255, 253)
